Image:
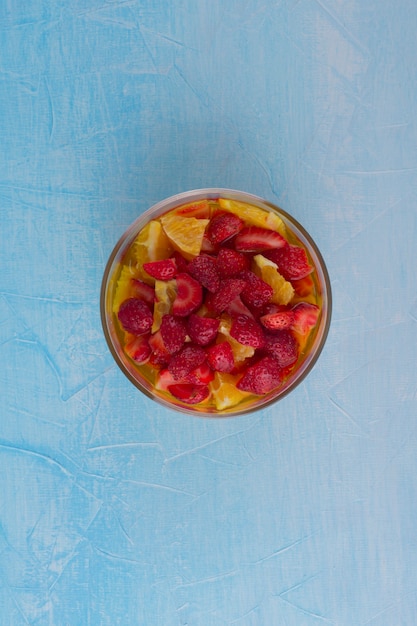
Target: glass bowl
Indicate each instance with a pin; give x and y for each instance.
(145, 376)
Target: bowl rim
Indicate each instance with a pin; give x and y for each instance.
(169, 203)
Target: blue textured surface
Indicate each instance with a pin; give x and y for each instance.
(114, 511)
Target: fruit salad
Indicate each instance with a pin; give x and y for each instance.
(216, 305)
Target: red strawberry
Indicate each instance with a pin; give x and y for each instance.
(262, 377)
(135, 316)
(292, 262)
(189, 393)
(223, 226)
(257, 292)
(282, 346)
(203, 268)
(236, 307)
(279, 320)
(247, 331)
(200, 209)
(202, 330)
(186, 360)
(305, 317)
(202, 375)
(229, 289)
(181, 262)
(189, 295)
(160, 355)
(174, 331)
(230, 262)
(304, 286)
(165, 269)
(143, 291)
(220, 357)
(139, 349)
(257, 239)
(207, 246)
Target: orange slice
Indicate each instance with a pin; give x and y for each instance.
(124, 288)
(254, 215)
(224, 391)
(151, 244)
(184, 233)
(268, 271)
(165, 292)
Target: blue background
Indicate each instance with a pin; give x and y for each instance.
(113, 510)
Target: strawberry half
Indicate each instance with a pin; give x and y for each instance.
(189, 393)
(186, 360)
(247, 331)
(189, 295)
(202, 375)
(143, 291)
(279, 320)
(135, 316)
(220, 357)
(306, 316)
(223, 226)
(230, 262)
(202, 330)
(262, 377)
(174, 331)
(229, 289)
(292, 262)
(257, 292)
(236, 307)
(204, 269)
(160, 355)
(165, 269)
(258, 239)
(282, 346)
(139, 349)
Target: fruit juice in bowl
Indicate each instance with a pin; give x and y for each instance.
(215, 302)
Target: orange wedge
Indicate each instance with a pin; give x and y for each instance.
(268, 271)
(151, 244)
(185, 233)
(224, 391)
(165, 292)
(254, 215)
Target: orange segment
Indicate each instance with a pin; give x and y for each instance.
(240, 352)
(254, 215)
(224, 391)
(151, 244)
(165, 292)
(124, 288)
(185, 233)
(268, 270)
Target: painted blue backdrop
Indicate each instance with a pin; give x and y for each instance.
(113, 510)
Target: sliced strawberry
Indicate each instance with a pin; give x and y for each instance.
(202, 375)
(279, 320)
(229, 289)
(303, 287)
(236, 307)
(138, 349)
(135, 316)
(204, 269)
(257, 239)
(257, 292)
(143, 291)
(202, 330)
(207, 246)
(230, 262)
(282, 346)
(186, 360)
(189, 295)
(181, 262)
(220, 357)
(189, 393)
(164, 379)
(262, 377)
(160, 355)
(247, 331)
(223, 226)
(306, 316)
(174, 331)
(164, 269)
(292, 262)
(200, 209)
